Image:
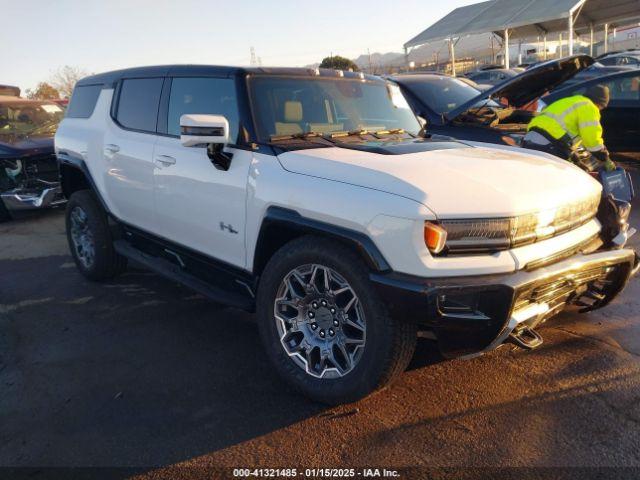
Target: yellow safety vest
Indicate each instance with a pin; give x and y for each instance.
(576, 116)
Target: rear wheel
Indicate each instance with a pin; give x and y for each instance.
(90, 239)
(323, 325)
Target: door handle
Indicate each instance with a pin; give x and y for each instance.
(111, 148)
(165, 160)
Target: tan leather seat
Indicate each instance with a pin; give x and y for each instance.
(292, 119)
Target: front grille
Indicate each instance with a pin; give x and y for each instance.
(588, 246)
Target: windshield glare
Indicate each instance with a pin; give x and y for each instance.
(292, 106)
(444, 94)
(29, 118)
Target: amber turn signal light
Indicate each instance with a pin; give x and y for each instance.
(435, 237)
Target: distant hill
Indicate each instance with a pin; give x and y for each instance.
(379, 59)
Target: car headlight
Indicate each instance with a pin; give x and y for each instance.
(481, 235)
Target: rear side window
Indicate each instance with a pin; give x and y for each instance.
(83, 101)
(216, 96)
(138, 103)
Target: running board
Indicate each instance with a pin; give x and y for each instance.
(176, 273)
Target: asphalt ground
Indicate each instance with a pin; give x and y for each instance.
(141, 372)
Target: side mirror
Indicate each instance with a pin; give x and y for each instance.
(200, 130)
(211, 131)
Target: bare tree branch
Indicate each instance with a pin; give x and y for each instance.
(65, 78)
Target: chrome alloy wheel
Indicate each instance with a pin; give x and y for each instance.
(82, 238)
(320, 321)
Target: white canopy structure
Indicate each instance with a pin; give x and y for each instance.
(526, 18)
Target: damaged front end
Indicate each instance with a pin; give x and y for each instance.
(29, 176)
(30, 182)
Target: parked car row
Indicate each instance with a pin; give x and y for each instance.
(493, 76)
(500, 115)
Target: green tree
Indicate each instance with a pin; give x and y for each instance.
(339, 63)
(43, 91)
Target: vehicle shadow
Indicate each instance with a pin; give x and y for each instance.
(135, 372)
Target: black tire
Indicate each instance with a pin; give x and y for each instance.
(5, 216)
(390, 342)
(106, 262)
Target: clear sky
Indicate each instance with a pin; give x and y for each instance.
(39, 36)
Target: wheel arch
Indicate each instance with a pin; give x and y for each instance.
(281, 225)
(75, 176)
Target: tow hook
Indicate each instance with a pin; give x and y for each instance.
(526, 338)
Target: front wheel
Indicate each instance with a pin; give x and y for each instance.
(323, 325)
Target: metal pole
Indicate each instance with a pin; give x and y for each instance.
(570, 26)
(613, 39)
(591, 39)
(544, 42)
(506, 48)
(452, 57)
(560, 45)
(406, 57)
(606, 38)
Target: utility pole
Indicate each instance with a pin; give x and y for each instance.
(369, 54)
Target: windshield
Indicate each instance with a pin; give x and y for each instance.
(444, 94)
(294, 106)
(29, 118)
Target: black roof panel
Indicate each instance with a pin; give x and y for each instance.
(110, 78)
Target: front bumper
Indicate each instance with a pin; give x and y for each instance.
(21, 199)
(472, 315)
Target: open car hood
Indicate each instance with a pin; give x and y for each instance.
(530, 84)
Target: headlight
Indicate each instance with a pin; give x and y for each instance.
(494, 234)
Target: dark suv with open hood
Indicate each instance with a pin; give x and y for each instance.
(28, 167)
(498, 115)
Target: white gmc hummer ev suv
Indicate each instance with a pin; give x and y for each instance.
(315, 199)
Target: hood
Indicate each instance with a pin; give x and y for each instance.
(461, 182)
(530, 84)
(19, 145)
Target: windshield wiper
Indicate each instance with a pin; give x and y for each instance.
(362, 131)
(301, 136)
(391, 131)
(331, 136)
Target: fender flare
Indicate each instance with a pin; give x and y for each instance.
(292, 220)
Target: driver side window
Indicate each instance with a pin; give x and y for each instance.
(215, 96)
(625, 89)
